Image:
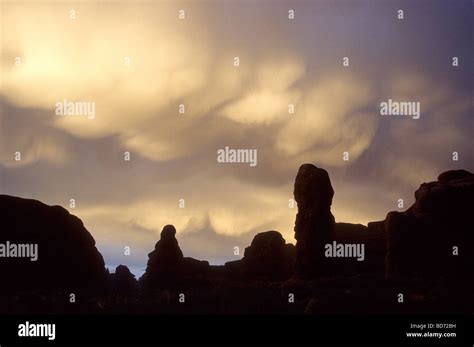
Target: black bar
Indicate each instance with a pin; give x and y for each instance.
(238, 329)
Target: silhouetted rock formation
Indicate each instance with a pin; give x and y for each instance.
(314, 224)
(374, 241)
(165, 262)
(123, 281)
(194, 267)
(67, 256)
(376, 247)
(167, 266)
(167, 256)
(416, 248)
(268, 257)
(423, 240)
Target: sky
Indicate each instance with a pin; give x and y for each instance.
(138, 61)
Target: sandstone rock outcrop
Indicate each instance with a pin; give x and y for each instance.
(167, 267)
(435, 236)
(374, 241)
(314, 226)
(66, 254)
(268, 257)
(123, 281)
(164, 262)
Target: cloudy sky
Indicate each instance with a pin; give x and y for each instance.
(138, 61)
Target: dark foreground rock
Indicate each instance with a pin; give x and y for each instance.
(314, 225)
(167, 267)
(435, 236)
(425, 253)
(67, 257)
(123, 281)
(374, 241)
(268, 258)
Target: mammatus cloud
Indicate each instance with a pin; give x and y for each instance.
(268, 99)
(153, 63)
(139, 101)
(29, 138)
(324, 128)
